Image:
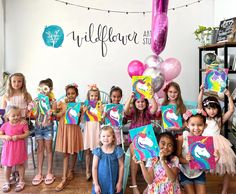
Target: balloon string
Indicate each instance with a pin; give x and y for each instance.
(126, 12)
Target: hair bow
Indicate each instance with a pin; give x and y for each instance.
(192, 112)
(93, 87)
(72, 85)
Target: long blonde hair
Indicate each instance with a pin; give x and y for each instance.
(10, 89)
(181, 109)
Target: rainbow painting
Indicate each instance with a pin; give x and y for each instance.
(44, 104)
(201, 149)
(216, 79)
(94, 112)
(142, 87)
(144, 142)
(72, 113)
(114, 114)
(169, 117)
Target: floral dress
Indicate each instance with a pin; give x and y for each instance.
(161, 184)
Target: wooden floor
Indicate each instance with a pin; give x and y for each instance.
(81, 186)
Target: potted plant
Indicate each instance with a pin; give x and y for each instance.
(206, 35)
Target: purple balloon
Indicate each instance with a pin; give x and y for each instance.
(136, 68)
(171, 68)
(159, 25)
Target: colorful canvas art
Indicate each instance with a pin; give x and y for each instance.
(169, 117)
(142, 86)
(72, 113)
(114, 114)
(202, 150)
(144, 141)
(216, 79)
(44, 104)
(94, 112)
(2, 112)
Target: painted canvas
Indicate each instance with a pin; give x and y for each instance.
(44, 104)
(169, 117)
(114, 114)
(94, 112)
(72, 113)
(216, 79)
(144, 141)
(2, 112)
(202, 150)
(142, 86)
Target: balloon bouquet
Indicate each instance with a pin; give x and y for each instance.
(161, 71)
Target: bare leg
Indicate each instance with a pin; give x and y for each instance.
(133, 171)
(189, 189)
(225, 184)
(40, 153)
(88, 160)
(7, 173)
(73, 162)
(21, 169)
(48, 145)
(65, 165)
(200, 188)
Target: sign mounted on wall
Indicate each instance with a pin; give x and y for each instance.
(226, 28)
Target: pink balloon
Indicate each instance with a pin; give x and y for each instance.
(171, 68)
(159, 25)
(136, 68)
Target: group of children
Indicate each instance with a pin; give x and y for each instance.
(165, 174)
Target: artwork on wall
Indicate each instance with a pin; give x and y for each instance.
(201, 149)
(144, 142)
(72, 113)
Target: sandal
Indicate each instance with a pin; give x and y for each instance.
(12, 179)
(88, 176)
(20, 186)
(6, 187)
(61, 185)
(70, 175)
(37, 180)
(50, 178)
(135, 189)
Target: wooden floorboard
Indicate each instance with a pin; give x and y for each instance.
(81, 186)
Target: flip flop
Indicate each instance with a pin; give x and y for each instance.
(50, 178)
(37, 180)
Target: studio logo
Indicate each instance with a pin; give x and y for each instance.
(53, 36)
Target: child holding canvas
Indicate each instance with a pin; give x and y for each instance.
(215, 120)
(69, 137)
(161, 174)
(140, 114)
(173, 97)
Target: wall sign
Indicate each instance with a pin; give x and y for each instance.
(225, 29)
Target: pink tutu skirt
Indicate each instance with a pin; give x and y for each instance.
(226, 163)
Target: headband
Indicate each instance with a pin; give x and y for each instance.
(193, 112)
(71, 85)
(93, 87)
(207, 102)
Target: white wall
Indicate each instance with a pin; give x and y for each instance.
(1, 37)
(27, 53)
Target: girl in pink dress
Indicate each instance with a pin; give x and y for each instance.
(91, 131)
(14, 148)
(215, 120)
(161, 173)
(140, 114)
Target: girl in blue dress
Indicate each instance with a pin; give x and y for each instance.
(108, 164)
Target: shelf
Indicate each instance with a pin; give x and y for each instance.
(218, 45)
(229, 72)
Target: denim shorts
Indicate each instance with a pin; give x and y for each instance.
(45, 133)
(198, 180)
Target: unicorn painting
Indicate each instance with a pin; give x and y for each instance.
(144, 141)
(44, 104)
(93, 112)
(72, 113)
(114, 114)
(2, 112)
(170, 118)
(215, 79)
(202, 150)
(142, 86)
